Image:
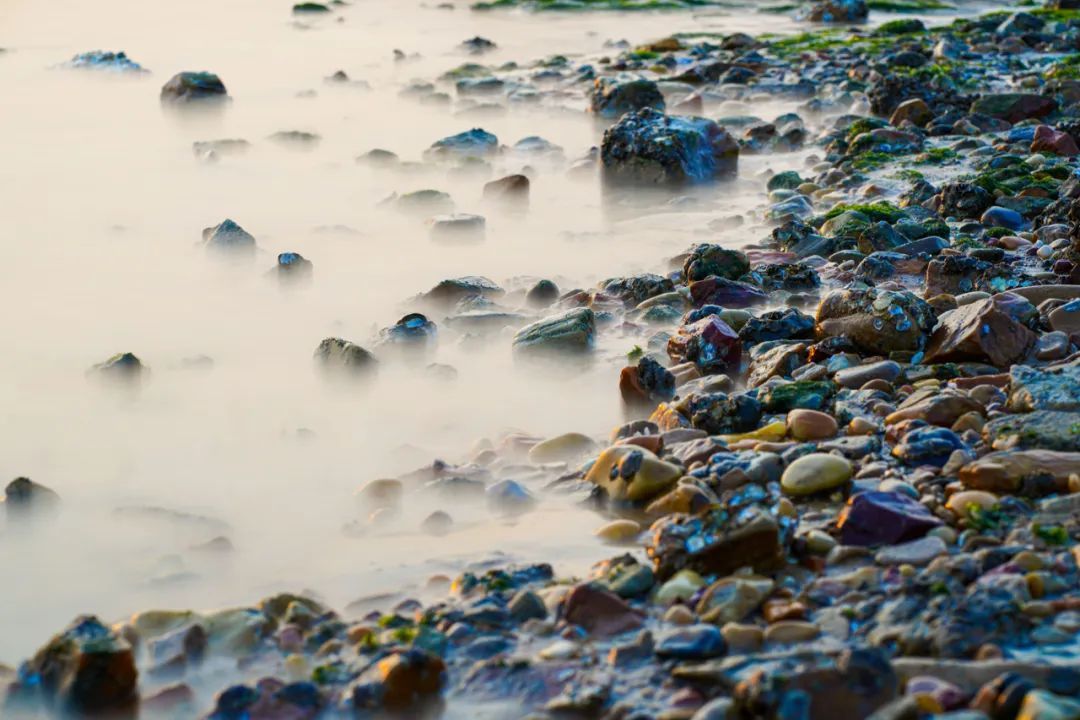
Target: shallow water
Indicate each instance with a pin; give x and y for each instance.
(103, 201)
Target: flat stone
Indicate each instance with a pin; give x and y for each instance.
(1038, 472)
(1044, 389)
(883, 518)
(917, 552)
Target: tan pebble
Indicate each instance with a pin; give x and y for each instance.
(819, 542)
(791, 631)
(878, 384)
(679, 588)
(680, 615)
(619, 532)
(297, 668)
(928, 383)
(1038, 608)
(814, 473)
(969, 421)
(946, 533)
(961, 502)
(810, 425)
(742, 637)
(1036, 584)
(861, 426)
(1028, 560)
(785, 508)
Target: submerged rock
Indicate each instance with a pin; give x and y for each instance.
(122, 367)
(457, 227)
(475, 143)
(413, 332)
(193, 87)
(25, 498)
(511, 191)
(229, 238)
(651, 148)
(104, 60)
(341, 356)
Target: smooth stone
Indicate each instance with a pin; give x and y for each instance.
(627, 472)
(814, 473)
(743, 637)
(791, 631)
(680, 588)
(562, 448)
(694, 642)
(811, 425)
(962, 502)
(859, 375)
(619, 532)
(917, 552)
(383, 493)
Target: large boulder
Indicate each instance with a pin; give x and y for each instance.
(650, 148)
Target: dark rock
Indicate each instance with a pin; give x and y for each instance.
(600, 612)
(341, 356)
(229, 238)
(709, 343)
(650, 148)
(883, 518)
(714, 260)
(613, 98)
(1014, 107)
(23, 497)
(982, 331)
(190, 87)
(726, 293)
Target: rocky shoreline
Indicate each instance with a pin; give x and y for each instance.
(849, 481)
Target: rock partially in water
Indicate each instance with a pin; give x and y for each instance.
(293, 267)
(413, 333)
(338, 356)
(600, 612)
(104, 60)
(228, 238)
(614, 98)
(451, 291)
(475, 143)
(25, 498)
(708, 259)
(570, 332)
(120, 368)
(511, 192)
(193, 87)
(646, 384)
(422, 203)
(508, 497)
(295, 139)
(457, 228)
(651, 148)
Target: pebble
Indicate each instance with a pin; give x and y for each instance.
(810, 425)
(791, 631)
(619, 532)
(961, 502)
(917, 552)
(814, 473)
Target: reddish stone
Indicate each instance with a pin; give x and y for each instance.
(709, 343)
(1049, 140)
(600, 612)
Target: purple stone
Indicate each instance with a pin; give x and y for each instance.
(884, 518)
(715, 290)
